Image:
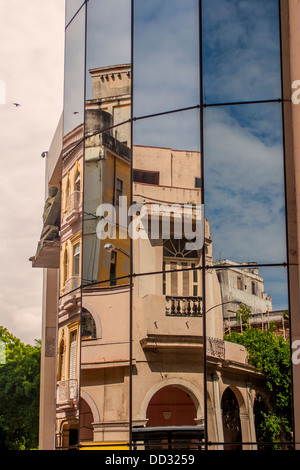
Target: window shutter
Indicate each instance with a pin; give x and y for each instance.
(185, 281)
(174, 277)
(72, 356)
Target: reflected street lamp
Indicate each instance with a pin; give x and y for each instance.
(109, 247)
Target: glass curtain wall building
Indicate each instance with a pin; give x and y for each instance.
(174, 227)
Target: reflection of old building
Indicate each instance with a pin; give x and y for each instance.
(93, 355)
(138, 343)
(241, 286)
(167, 330)
(245, 286)
(69, 307)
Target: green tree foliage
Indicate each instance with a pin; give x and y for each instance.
(243, 314)
(270, 354)
(19, 394)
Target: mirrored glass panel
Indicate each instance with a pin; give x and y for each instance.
(169, 319)
(241, 51)
(166, 55)
(244, 183)
(105, 321)
(167, 295)
(108, 74)
(107, 194)
(167, 212)
(248, 358)
(71, 206)
(69, 308)
(168, 373)
(74, 73)
(72, 7)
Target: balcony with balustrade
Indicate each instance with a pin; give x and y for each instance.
(74, 207)
(67, 393)
(183, 306)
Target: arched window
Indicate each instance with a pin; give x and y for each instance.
(76, 259)
(67, 192)
(61, 353)
(66, 266)
(77, 185)
(88, 325)
(176, 257)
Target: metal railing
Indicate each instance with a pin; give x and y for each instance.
(215, 347)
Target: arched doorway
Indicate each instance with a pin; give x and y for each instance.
(86, 420)
(231, 420)
(171, 406)
(68, 437)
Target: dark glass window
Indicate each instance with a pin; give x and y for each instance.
(148, 177)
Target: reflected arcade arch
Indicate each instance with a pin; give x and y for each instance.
(231, 420)
(86, 420)
(171, 406)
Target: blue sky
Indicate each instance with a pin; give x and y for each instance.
(241, 53)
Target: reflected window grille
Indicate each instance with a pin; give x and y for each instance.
(215, 347)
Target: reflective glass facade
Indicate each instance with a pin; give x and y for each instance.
(173, 247)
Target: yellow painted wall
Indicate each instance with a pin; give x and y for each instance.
(115, 168)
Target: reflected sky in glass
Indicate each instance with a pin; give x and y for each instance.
(166, 55)
(244, 183)
(276, 285)
(74, 73)
(178, 131)
(241, 50)
(108, 35)
(72, 6)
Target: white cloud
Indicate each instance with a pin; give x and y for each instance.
(241, 50)
(31, 50)
(244, 186)
(166, 56)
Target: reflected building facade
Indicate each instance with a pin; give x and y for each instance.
(135, 308)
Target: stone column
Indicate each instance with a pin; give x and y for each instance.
(218, 410)
(251, 416)
(290, 29)
(48, 361)
(245, 430)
